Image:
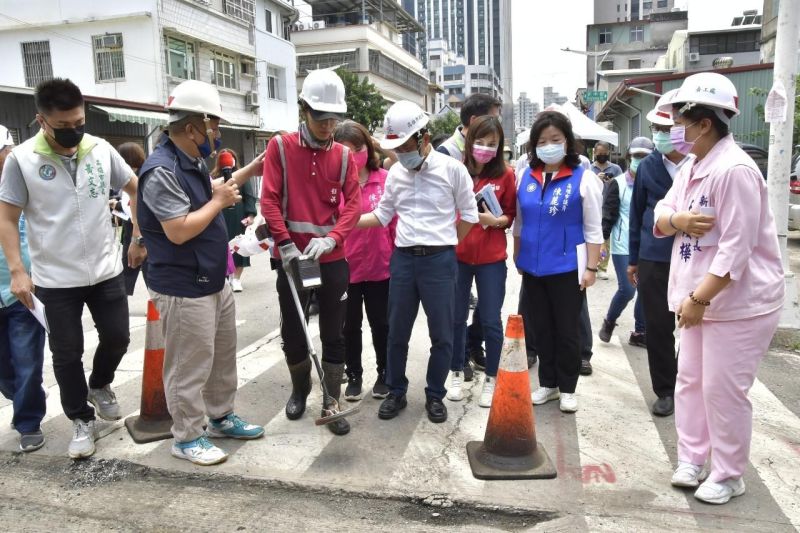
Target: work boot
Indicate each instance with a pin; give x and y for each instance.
(301, 388)
(333, 382)
(607, 330)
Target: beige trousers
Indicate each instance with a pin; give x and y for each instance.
(199, 359)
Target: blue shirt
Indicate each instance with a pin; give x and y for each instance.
(6, 298)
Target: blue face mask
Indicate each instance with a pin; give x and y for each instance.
(205, 148)
(551, 153)
(410, 160)
(663, 142)
(634, 164)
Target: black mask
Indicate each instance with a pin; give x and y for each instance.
(601, 158)
(68, 137)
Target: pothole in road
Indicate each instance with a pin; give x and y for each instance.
(93, 472)
(440, 511)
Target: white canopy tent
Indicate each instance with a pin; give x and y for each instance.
(582, 125)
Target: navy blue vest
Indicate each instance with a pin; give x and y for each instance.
(552, 223)
(197, 267)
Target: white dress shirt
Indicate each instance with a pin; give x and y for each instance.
(427, 201)
(673, 168)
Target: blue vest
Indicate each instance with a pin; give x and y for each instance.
(552, 223)
(197, 267)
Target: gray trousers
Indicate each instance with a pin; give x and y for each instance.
(199, 359)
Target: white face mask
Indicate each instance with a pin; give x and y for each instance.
(410, 160)
(551, 153)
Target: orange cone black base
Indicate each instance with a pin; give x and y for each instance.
(509, 449)
(153, 422)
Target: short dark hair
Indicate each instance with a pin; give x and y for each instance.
(561, 123)
(57, 94)
(477, 105)
(603, 143)
(354, 133)
(483, 127)
(699, 112)
(132, 153)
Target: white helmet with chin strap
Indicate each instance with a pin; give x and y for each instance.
(706, 89)
(323, 92)
(193, 97)
(659, 117)
(402, 120)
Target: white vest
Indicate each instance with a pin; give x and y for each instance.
(70, 236)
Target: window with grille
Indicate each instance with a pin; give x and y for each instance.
(637, 34)
(244, 10)
(662, 3)
(636, 126)
(607, 64)
(180, 58)
(36, 62)
(604, 37)
(109, 63)
(223, 70)
(317, 61)
(634, 63)
(275, 83)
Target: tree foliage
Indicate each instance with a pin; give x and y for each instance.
(762, 93)
(446, 124)
(365, 104)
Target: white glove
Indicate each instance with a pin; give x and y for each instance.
(319, 246)
(289, 252)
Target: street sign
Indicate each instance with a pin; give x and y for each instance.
(595, 96)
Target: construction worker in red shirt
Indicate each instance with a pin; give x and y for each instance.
(311, 200)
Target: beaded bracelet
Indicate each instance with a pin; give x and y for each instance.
(697, 301)
(671, 224)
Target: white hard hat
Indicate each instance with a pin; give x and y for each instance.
(707, 89)
(641, 145)
(323, 91)
(402, 120)
(5, 137)
(194, 97)
(662, 118)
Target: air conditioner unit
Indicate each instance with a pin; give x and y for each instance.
(112, 41)
(318, 24)
(694, 57)
(252, 99)
(299, 26)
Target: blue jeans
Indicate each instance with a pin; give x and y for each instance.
(491, 282)
(21, 361)
(430, 280)
(625, 293)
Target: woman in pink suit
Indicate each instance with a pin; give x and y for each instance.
(726, 286)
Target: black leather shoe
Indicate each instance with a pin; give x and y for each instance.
(532, 360)
(638, 338)
(478, 357)
(391, 406)
(664, 406)
(606, 331)
(586, 367)
(437, 412)
(338, 427)
(469, 374)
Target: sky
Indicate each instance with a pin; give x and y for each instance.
(540, 29)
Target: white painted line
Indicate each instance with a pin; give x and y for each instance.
(775, 450)
(620, 448)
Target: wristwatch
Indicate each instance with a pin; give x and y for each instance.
(139, 241)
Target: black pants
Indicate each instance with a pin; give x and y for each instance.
(523, 309)
(108, 304)
(374, 297)
(131, 274)
(653, 281)
(332, 308)
(555, 304)
(474, 334)
(586, 330)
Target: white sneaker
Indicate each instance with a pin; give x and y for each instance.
(544, 395)
(488, 391)
(199, 451)
(236, 285)
(719, 493)
(568, 403)
(688, 475)
(454, 393)
(83, 437)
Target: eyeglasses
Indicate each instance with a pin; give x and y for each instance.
(659, 129)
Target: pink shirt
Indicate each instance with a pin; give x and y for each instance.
(727, 180)
(368, 250)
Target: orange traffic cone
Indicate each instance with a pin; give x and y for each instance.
(153, 422)
(509, 449)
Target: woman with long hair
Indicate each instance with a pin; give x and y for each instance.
(557, 232)
(368, 252)
(482, 253)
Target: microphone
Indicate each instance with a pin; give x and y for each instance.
(226, 163)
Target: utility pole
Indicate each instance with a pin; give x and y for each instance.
(780, 143)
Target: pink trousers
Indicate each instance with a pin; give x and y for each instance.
(716, 368)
